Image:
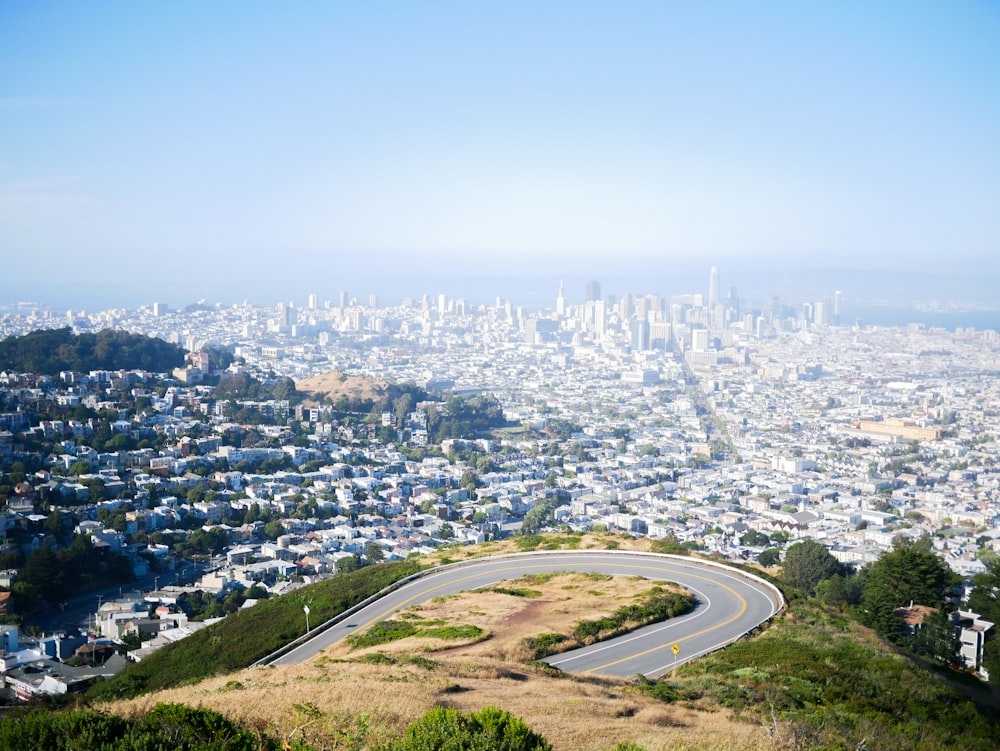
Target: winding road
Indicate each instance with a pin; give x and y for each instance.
(730, 604)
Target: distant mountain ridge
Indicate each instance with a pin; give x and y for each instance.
(50, 351)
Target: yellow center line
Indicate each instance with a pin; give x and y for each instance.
(631, 566)
(671, 642)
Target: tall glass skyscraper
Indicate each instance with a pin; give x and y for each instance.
(713, 287)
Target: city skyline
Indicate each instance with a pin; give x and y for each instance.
(817, 295)
(235, 150)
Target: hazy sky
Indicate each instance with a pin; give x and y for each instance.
(226, 145)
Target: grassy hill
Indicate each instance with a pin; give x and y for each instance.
(335, 384)
(812, 679)
(249, 635)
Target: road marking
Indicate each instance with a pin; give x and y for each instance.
(743, 609)
(663, 626)
(579, 563)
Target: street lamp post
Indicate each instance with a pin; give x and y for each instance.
(305, 609)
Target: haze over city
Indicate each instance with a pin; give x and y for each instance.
(563, 376)
(239, 150)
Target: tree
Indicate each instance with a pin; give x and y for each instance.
(447, 532)
(79, 468)
(754, 539)
(769, 557)
(537, 517)
(936, 638)
(54, 524)
(348, 563)
(910, 572)
(43, 572)
(780, 537)
(120, 568)
(470, 480)
(79, 562)
(274, 529)
(806, 564)
(838, 591)
(374, 552)
(402, 408)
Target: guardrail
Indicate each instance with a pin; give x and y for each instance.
(779, 599)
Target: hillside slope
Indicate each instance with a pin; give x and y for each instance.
(813, 679)
(334, 385)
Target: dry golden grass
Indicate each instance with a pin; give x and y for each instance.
(336, 384)
(322, 701)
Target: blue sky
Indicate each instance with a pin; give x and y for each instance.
(228, 146)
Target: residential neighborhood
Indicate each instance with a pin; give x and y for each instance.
(296, 443)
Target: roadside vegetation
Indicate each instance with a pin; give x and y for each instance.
(248, 635)
(815, 678)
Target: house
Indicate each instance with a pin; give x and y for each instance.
(972, 629)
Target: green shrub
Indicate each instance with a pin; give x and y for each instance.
(378, 658)
(464, 631)
(382, 632)
(528, 542)
(421, 662)
(489, 729)
(544, 644)
(177, 727)
(517, 592)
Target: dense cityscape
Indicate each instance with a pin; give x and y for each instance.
(474, 376)
(296, 442)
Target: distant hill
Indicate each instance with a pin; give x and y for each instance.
(334, 385)
(50, 351)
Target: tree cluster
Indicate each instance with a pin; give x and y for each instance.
(50, 351)
(245, 387)
(50, 575)
(460, 418)
(909, 574)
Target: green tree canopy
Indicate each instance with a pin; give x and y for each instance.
(274, 529)
(910, 573)
(807, 563)
(53, 350)
(769, 557)
(43, 572)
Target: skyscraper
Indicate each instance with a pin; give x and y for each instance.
(593, 291)
(713, 287)
(561, 301)
(600, 321)
(639, 335)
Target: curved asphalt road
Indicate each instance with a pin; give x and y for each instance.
(730, 604)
